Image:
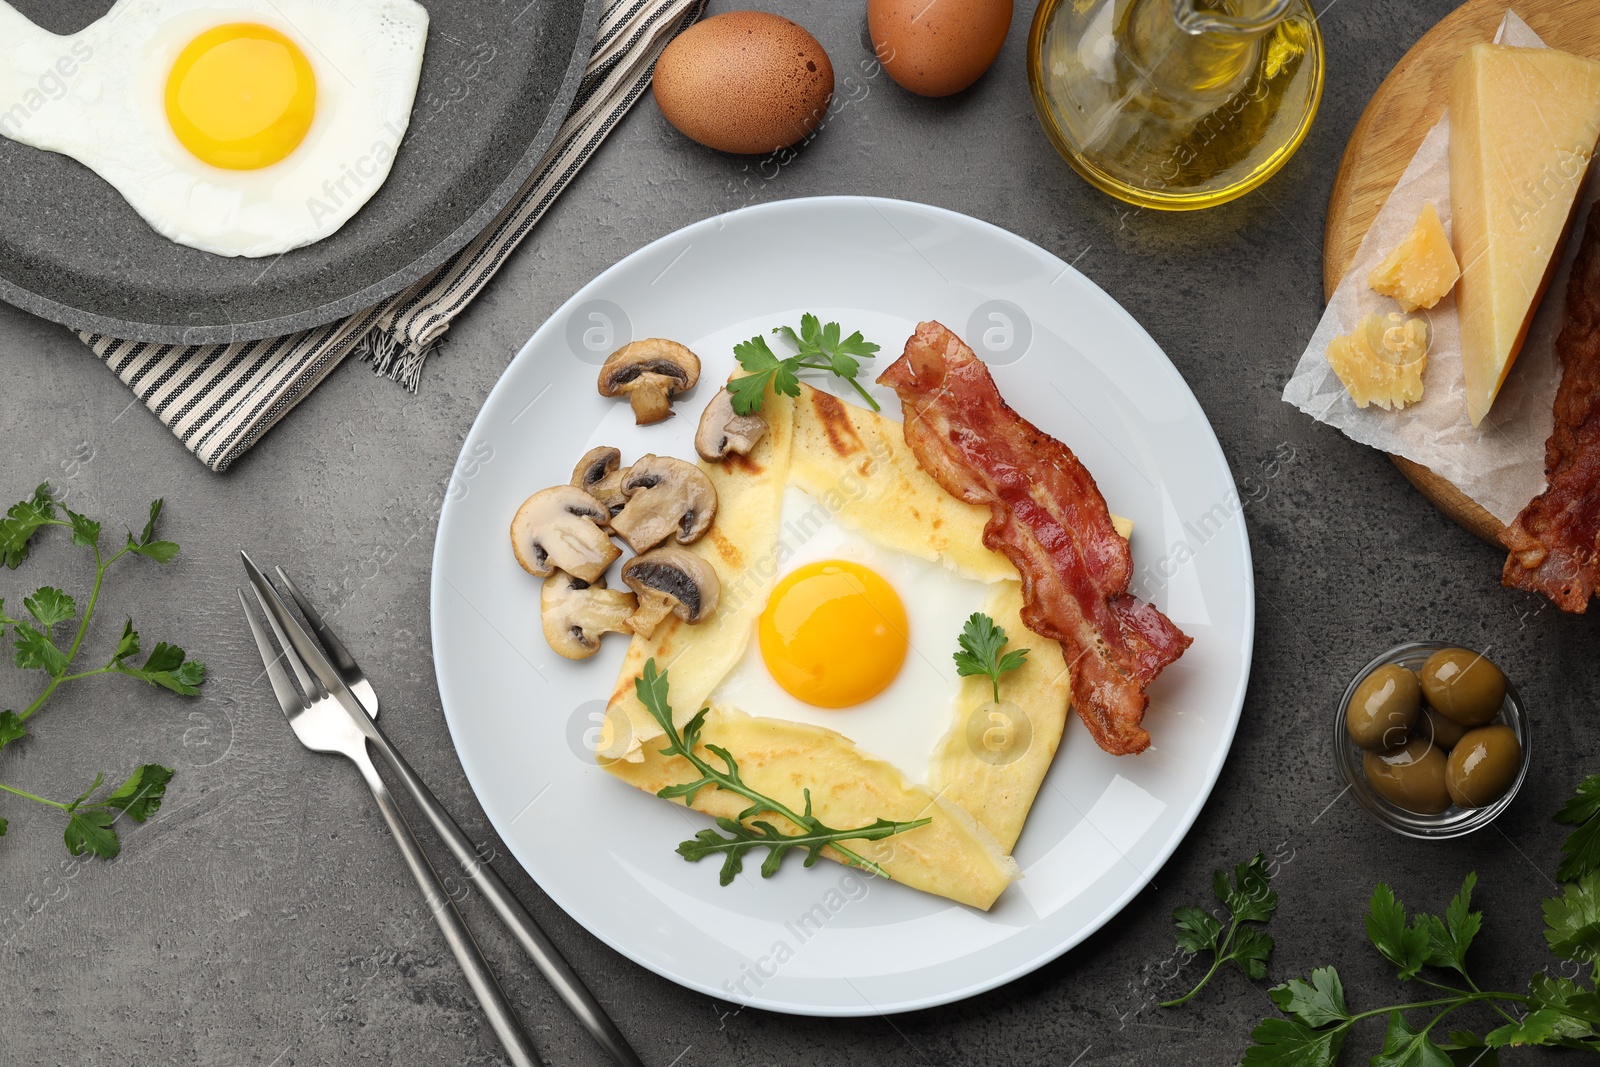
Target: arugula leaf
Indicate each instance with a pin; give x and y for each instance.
(50, 606)
(22, 521)
(1285, 1043)
(1317, 1003)
(1581, 851)
(1405, 1047)
(165, 666)
(1405, 947)
(811, 834)
(11, 728)
(1249, 898)
(3, 825)
(819, 348)
(1572, 921)
(981, 641)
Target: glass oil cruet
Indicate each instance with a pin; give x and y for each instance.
(1176, 104)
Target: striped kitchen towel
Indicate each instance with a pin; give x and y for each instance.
(219, 399)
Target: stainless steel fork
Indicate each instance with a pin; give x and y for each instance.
(333, 710)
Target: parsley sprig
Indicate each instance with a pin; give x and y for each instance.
(981, 641)
(1249, 898)
(812, 835)
(819, 348)
(1559, 1010)
(45, 640)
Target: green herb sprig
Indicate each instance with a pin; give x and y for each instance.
(1558, 1010)
(981, 641)
(820, 348)
(1249, 898)
(36, 646)
(813, 835)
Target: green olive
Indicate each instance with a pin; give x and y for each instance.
(1483, 765)
(1462, 685)
(1410, 777)
(1445, 732)
(1383, 707)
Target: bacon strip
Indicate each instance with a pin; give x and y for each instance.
(1048, 518)
(1555, 542)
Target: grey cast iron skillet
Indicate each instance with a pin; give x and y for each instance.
(497, 79)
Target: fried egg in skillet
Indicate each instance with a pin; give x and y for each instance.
(240, 127)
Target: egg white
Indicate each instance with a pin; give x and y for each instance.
(99, 97)
(904, 723)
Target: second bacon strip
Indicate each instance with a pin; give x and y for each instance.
(1048, 518)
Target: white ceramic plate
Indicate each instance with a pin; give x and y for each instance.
(827, 941)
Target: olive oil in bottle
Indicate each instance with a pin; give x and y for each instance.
(1176, 104)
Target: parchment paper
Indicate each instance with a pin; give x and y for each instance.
(1499, 464)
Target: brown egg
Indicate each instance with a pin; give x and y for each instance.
(745, 82)
(937, 48)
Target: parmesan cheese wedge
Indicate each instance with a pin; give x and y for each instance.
(1523, 126)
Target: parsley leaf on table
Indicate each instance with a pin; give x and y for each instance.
(43, 641)
(1249, 898)
(1404, 946)
(22, 521)
(1580, 853)
(1572, 921)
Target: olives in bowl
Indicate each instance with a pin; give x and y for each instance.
(1432, 740)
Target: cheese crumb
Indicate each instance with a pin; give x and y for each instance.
(1382, 361)
(1421, 269)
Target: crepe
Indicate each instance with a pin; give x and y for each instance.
(856, 463)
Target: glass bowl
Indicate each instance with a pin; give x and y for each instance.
(1454, 821)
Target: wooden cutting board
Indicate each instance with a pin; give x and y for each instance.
(1405, 107)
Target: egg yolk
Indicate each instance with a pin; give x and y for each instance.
(241, 96)
(833, 633)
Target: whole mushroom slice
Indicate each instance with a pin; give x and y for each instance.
(670, 581)
(597, 475)
(576, 613)
(667, 497)
(648, 373)
(562, 528)
(723, 431)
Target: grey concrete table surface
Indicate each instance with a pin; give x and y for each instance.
(261, 919)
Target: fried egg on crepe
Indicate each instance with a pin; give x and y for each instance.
(854, 463)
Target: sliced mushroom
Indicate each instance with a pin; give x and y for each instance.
(722, 430)
(597, 475)
(648, 373)
(667, 497)
(576, 613)
(561, 527)
(670, 581)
